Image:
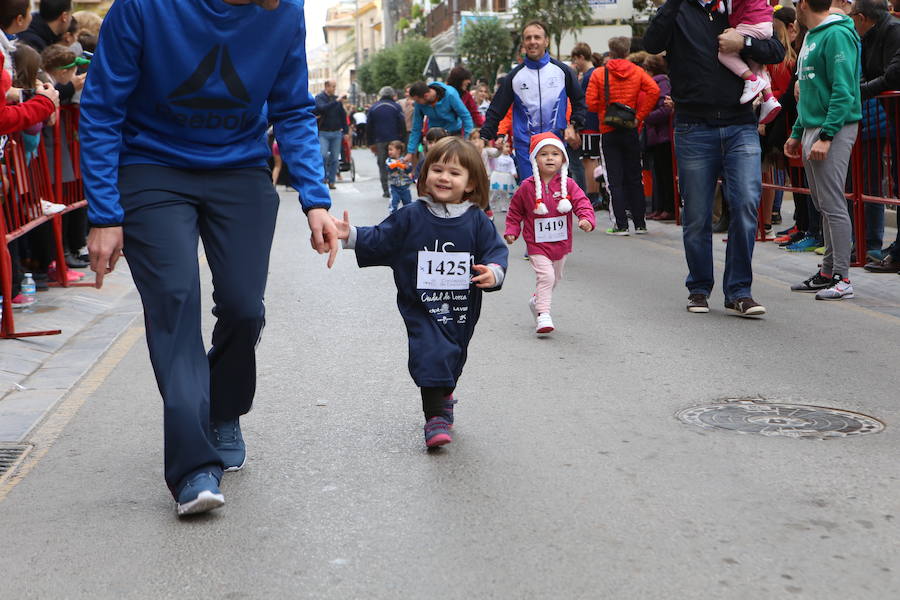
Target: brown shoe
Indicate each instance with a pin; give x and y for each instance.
(745, 307)
(698, 303)
(886, 265)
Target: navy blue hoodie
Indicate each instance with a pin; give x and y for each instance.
(184, 84)
(439, 323)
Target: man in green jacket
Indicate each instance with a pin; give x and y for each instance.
(827, 121)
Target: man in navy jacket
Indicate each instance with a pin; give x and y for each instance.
(386, 123)
(715, 136)
(174, 151)
(332, 129)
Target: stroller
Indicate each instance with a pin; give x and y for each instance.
(346, 162)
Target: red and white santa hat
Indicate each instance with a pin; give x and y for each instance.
(537, 142)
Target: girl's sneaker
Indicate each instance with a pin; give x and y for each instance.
(544, 324)
(839, 290)
(437, 432)
(768, 110)
(449, 403)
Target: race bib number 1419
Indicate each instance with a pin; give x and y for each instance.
(443, 270)
(551, 229)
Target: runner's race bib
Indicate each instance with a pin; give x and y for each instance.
(551, 229)
(443, 270)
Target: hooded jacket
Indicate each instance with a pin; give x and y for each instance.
(828, 69)
(520, 216)
(656, 126)
(448, 112)
(628, 84)
(881, 57)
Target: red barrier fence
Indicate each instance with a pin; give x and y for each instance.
(26, 182)
(872, 177)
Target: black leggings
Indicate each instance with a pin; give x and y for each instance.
(433, 399)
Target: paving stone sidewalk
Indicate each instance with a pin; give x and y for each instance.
(36, 372)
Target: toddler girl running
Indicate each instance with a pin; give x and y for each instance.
(434, 246)
(503, 177)
(545, 202)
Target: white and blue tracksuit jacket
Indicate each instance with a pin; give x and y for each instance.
(538, 92)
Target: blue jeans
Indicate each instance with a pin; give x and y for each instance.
(704, 154)
(399, 195)
(330, 144)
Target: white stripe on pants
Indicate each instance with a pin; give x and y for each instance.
(548, 273)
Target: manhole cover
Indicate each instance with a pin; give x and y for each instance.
(790, 420)
(10, 455)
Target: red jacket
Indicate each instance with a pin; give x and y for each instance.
(469, 101)
(628, 84)
(21, 116)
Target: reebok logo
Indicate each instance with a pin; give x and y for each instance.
(214, 86)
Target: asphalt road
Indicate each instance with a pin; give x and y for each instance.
(569, 476)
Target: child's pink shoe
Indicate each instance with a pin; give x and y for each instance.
(437, 432)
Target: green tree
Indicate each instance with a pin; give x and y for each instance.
(413, 56)
(384, 67)
(365, 79)
(560, 16)
(485, 44)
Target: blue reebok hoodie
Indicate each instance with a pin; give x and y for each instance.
(184, 84)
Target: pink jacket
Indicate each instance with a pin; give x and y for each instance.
(749, 12)
(521, 210)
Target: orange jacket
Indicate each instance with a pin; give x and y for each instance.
(628, 84)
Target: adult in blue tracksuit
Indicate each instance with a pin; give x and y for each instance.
(173, 148)
(386, 124)
(539, 90)
(443, 107)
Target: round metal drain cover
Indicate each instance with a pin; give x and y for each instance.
(789, 420)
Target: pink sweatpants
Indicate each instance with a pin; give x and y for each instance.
(734, 62)
(548, 273)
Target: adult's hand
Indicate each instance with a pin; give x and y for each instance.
(13, 95)
(104, 248)
(572, 138)
(374, 149)
(819, 150)
(45, 89)
(731, 41)
(324, 234)
(409, 158)
(792, 148)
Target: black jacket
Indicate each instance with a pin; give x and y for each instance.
(332, 116)
(385, 122)
(702, 88)
(881, 58)
(38, 35)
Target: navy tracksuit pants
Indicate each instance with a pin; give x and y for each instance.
(167, 212)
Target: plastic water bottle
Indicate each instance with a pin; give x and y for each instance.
(28, 287)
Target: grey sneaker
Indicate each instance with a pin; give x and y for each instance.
(745, 307)
(840, 289)
(813, 284)
(227, 439)
(698, 303)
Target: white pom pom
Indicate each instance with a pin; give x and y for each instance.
(564, 205)
(541, 209)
